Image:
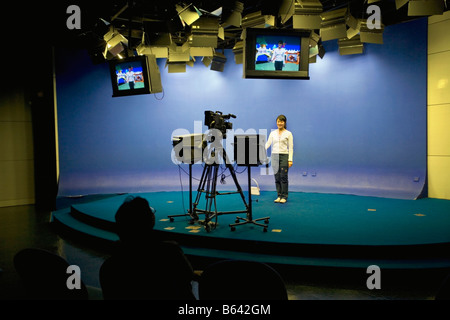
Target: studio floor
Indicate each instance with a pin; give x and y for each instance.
(25, 226)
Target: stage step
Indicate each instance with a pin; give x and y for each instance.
(65, 218)
(317, 261)
(310, 230)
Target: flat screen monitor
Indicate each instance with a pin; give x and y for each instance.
(276, 54)
(129, 76)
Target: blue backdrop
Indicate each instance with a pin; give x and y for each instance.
(359, 124)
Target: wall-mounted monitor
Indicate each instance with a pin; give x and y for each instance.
(132, 76)
(276, 54)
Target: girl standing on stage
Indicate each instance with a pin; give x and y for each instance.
(282, 143)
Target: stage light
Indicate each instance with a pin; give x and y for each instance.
(354, 28)
(158, 52)
(201, 52)
(257, 20)
(422, 7)
(115, 44)
(334, 24)
(371, 35)
(425, 7)
(154, 74)
(176, 67)
(218, 61)
(287, 9)
(204, 32)
(235, 16)
(307, 14)
(313, 52)
(188, 13)
(179, 53)
(351, 46)
(321, 51)
(400, 3)
(314, 39)
(238, 51)
(207, 61)
(313, 47)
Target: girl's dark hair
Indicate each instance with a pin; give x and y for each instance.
(282, 117)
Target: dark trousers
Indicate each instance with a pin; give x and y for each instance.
(280, 167)
(131, 84)
(278, 65)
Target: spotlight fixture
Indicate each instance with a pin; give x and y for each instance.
(158, 52)
(115, 44)
(422, 7)
(234, 18)
(321, 51)
(425, 7)
(238, 51)
(315, 48)
(354, 27)
(350, 46)
(176, 67)
(204, 32)
(257, 20)
(334, 24)
(307, 14)
(201, 52)
(154, 74)
(207, 61)
(371, 35)
(400, 3)
(188, 13)
(218, 61)
(179, 53)
(287, 9)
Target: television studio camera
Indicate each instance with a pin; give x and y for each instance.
(208, 181)
(217, 120)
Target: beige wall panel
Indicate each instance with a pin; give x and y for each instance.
(16, 142)
(439, 130)
(439, 37)
(439, 177)
(439, 78)
(17, 179)
(439, 17)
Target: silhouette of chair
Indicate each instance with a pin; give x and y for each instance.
(241, 280)
(44, 275)
(140, 278)
(444, 290)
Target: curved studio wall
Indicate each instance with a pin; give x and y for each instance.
(359, 124)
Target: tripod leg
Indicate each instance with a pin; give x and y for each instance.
(211, 197)
(233, 175)
(200, 190)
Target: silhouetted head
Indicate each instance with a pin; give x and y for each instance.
(134, 219)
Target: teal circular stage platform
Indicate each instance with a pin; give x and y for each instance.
(311, 229)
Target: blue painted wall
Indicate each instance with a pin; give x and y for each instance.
(359, 124)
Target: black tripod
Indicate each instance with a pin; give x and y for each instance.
(208, 186)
